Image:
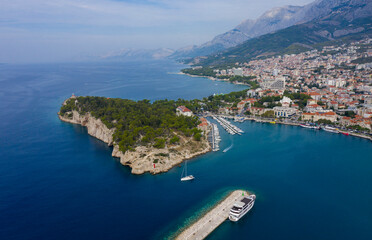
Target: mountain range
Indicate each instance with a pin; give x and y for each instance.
(137, 54)
(288, 29)
(335, 19)
(270, 22)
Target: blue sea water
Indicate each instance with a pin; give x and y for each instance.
(57, 182)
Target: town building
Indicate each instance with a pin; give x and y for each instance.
(182, 110)
(284, 112)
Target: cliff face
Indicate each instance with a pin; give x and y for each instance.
(95, 127)
(149, 159)
(143, 159)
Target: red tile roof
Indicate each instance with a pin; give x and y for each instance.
(183, 109)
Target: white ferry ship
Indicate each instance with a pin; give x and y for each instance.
(241, 208)
(330, 129)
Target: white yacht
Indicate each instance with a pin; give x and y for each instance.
(330, 129)
(241, 207)
(310, 126)
(185, 177)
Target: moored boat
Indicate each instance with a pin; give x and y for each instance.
(310, 126)
(241, 207)
(330, 129)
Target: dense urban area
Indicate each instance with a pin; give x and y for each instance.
(331, 87)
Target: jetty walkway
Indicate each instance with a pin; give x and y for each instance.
(230, 128)
(215, 217)
(215, 137)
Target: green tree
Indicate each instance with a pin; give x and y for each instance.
(159, 143)
(197, 136)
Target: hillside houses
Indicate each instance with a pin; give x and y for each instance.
(336, 83)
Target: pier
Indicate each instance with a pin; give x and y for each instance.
(229, 127)
(215, 138)
(211, 220)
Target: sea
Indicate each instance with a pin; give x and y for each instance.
(57, 182)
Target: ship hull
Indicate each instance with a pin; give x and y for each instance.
(330, 130)
(187, 178)
(235, 219)
(310, 127)
(235, 216)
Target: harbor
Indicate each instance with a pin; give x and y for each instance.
(215, 137)
(212, 219)
(229, 127)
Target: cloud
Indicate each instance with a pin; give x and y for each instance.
(137, 23)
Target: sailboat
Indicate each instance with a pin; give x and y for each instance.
(186, 177)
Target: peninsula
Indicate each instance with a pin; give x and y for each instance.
(148, 137)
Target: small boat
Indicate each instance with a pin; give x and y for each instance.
(330, 129)
(273, 122)
(241, 207)
(345, 133)
(186, 177)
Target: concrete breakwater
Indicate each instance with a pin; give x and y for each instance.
(212, 219)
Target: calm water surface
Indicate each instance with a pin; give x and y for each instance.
(57, 182)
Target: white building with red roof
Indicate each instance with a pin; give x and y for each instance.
(182, 110)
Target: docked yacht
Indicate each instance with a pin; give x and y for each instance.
(310, 126)
(330, 129)
(241, 207)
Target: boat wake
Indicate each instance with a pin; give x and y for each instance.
(228, 148)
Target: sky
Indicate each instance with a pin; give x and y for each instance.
(70, 30)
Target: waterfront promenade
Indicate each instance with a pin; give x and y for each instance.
(293, 123)
(215, 217)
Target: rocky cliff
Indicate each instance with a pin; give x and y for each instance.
(95, 127)
(142, 159)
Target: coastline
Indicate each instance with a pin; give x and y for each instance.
(214, 79)
(295, 124)
(143, 159)
(268, 121)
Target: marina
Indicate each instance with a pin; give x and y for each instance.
(215, 137)
(214, 218)
(229, 127)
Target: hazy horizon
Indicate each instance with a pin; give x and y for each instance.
(67, 30)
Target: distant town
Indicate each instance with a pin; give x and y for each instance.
(331, 87)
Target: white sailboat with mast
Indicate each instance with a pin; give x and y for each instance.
(186, 177)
